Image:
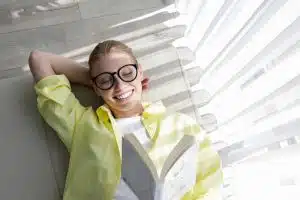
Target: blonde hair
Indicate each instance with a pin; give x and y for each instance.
(105, 47)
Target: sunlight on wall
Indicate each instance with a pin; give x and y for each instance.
(273, 176)
(169, 9)
(248, 53)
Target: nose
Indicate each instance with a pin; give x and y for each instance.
(119, 84)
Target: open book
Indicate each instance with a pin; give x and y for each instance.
(177, 176)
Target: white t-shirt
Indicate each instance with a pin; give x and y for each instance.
(131, 125)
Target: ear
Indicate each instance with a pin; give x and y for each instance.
(145, 84)
(91, 83)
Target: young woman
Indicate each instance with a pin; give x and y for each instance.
(93, 137)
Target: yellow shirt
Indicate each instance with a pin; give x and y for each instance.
(94, 143)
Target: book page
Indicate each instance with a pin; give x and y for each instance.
(182, 176)
(135, 171)
(123, 192)
(184, 143)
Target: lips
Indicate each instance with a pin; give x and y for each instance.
(124, 96)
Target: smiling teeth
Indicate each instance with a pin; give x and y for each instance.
(124, 96)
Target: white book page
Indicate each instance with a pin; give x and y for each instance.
(123, 192)
(182, 176)
(136, 173)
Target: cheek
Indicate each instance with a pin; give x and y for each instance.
(103, 94)
(106, 94)
(97, 91)
(137, 84)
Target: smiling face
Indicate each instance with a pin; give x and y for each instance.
(123, 97)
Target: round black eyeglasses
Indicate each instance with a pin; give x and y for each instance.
(106, 80)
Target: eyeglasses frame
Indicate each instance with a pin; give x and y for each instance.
(113, 75)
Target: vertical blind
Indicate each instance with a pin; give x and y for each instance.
(247, 58)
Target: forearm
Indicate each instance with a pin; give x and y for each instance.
(43, 64)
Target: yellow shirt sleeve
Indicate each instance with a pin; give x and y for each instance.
(58, 106)
(209, 167)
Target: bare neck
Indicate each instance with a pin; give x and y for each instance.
(136, 111)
